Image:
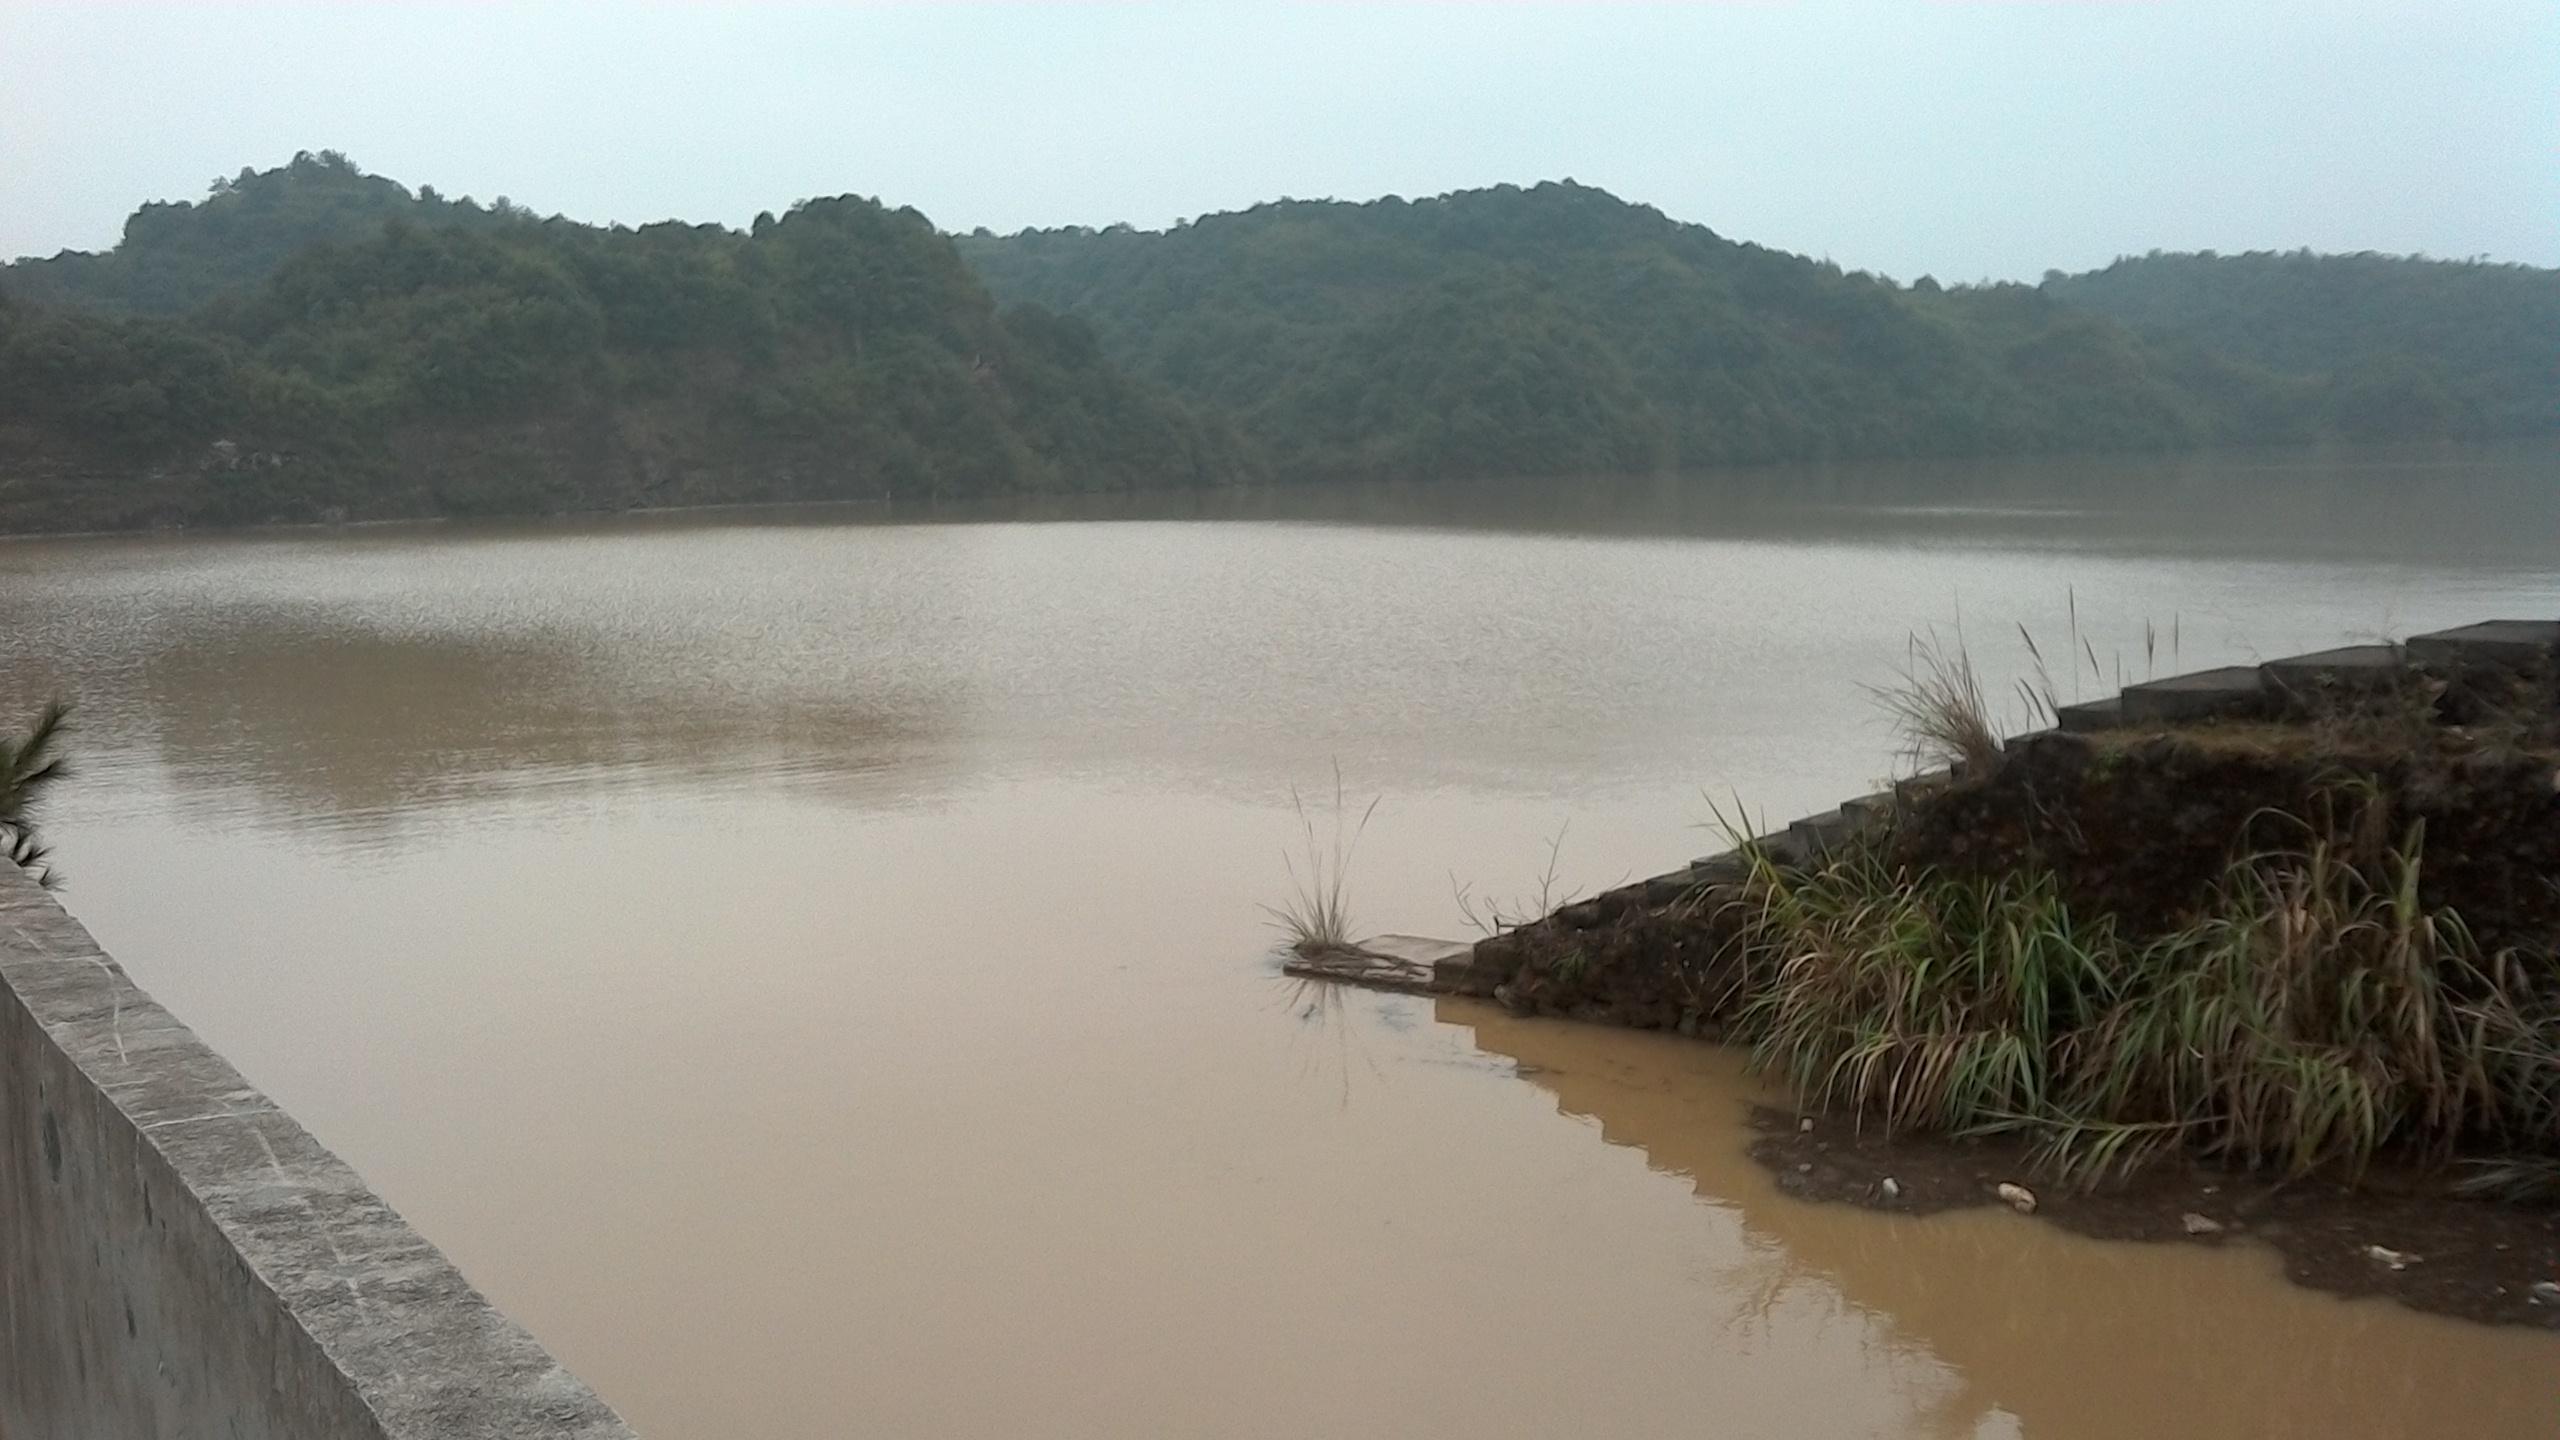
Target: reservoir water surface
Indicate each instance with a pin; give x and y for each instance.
(808, 967)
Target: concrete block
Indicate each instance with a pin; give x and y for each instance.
(2091, 716)
(2505, 644)
(2349, 670)
(1671, 888)
(2052, 750)
(1867, 810)
(1783, 847)
(1727, 868)
(1819, 835)
(1421, 950)
(1618, 900)
(1496, 959)
(1919, 787)
(1412, 964)
(1582, 915)
(2234, 691)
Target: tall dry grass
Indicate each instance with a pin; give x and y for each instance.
(2314, 1015)
(1316, 915)
(1938, 707)
(29, 766)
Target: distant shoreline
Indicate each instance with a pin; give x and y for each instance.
(1008, 507)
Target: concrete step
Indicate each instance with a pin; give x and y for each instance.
(2505, 644)
(1820, 835)
(1872, 809)
(2091, 716)
(1666, 889)
(2232, 691)
(1727, 868)
(2350, 667)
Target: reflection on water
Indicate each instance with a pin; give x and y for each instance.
(2493, 505)
(810, 969)
(2043, 1333)
(351, 725)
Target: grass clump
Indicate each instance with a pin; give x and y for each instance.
(1316, 916)
(1939, 710)
(1943, 715)
(28, 766)
(2313, 1013)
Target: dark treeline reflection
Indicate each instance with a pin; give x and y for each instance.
(339, 726)
(2026, 1317)
(2495, 504)
(373, 722)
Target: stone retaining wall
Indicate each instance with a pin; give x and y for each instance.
(2448, 660)
(178, 1258)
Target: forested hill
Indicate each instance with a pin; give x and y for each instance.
(178, 254)
(507, 364)
(2421, 344)
(311, 342)
(1558, 328)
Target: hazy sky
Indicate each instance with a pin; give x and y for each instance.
(1965, 140)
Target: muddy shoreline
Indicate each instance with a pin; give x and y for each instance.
(2401, 1238)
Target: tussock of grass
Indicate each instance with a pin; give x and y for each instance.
(2314, 1015)
(1316, 916)
(27, 767)
(1943, 715)
(1938, 708)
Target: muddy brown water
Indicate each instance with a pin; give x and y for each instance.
(808, 967)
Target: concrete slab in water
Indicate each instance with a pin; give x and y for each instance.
(1413, 963)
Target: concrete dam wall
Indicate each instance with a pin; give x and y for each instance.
(179, 1258)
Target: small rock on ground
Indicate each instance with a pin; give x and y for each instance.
(2386, 1256)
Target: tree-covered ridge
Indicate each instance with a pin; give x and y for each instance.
(1559, 328)
(311, 341)
(840, 351)
(2405, 342)
(176, 255)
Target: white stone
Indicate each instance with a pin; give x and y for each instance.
(2385, 1255)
